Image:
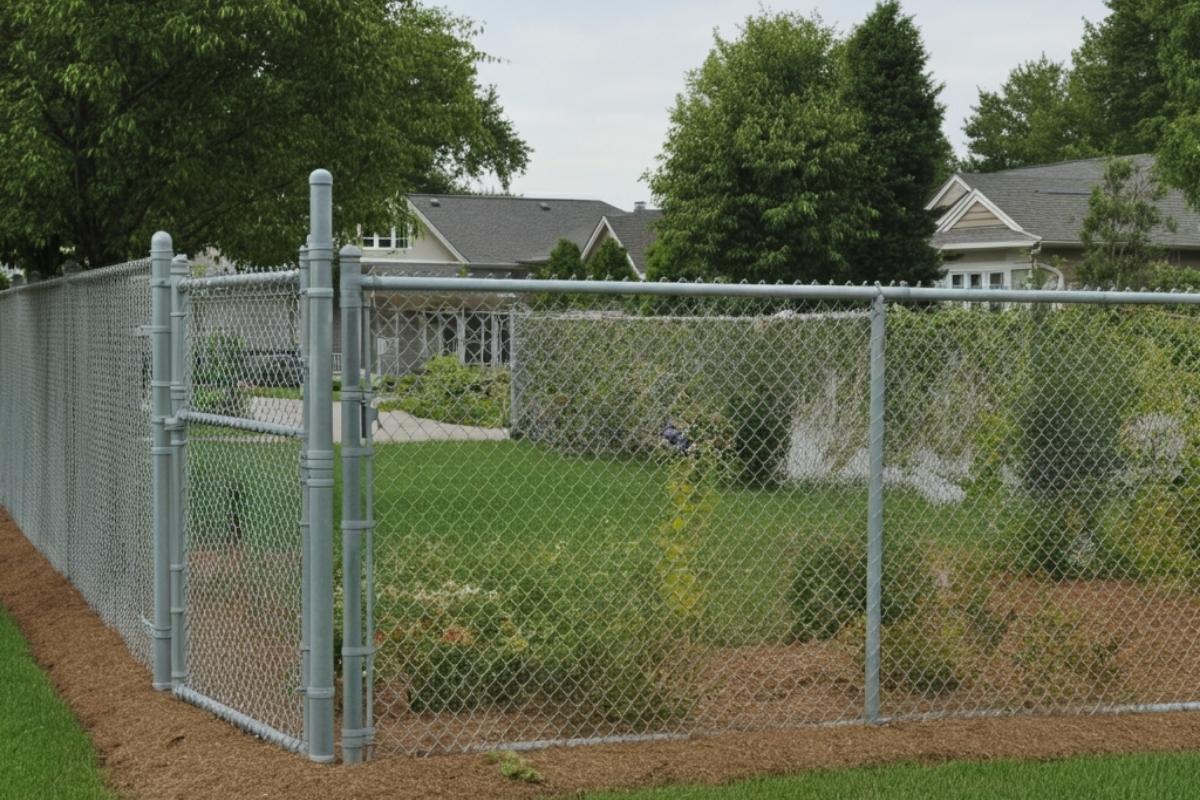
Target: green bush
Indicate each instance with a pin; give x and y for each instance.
(219, 377)
(1069, 421)
(463, 647)
(829, 590)
(448, 391)
(1063, 660)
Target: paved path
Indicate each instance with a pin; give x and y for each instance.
(393, 426)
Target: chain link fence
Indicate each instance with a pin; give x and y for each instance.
(603, 518)
(75, 435)
(580, 512)
(243, 380)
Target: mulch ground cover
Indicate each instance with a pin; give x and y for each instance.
(154, 746)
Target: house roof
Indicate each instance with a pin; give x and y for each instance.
(493, 229)
(635, 232)
(1050, 201)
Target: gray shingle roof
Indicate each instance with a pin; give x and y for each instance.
(510, 230)
(636, 233)
(1051, 200)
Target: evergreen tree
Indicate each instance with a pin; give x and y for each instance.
(610, 262)
(565, 263)
(887, 80)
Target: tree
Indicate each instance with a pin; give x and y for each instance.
(761, 175)
(1179, 148)
(205, 119)
(610, 262)
(1116, 233)
(1031, 120)
(1117, 82)
(887, 81)
(565, 263)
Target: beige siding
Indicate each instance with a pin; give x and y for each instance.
(952, 196)
(424, 247)
(978, 216)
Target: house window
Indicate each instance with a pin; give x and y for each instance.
(956, 280)
(395, 239)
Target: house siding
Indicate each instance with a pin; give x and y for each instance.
(978, 216)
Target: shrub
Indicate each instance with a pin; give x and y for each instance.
(220, 385)
(462, 647)
(451, 392)
(829, 590)
(1069, 422)
(1063, 660)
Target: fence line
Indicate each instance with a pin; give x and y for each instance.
(578, 512)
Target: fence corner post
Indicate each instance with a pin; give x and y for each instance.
(178, 431)
(875, 508)
(319, 460)
(354, 733)
(161, 452)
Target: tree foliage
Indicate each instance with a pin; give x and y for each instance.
(1116, 234)
(887, 81)
(1114, 98)
(610, 262)
(205, 118)
(761, 176)
(1031, 120)
(565, 263)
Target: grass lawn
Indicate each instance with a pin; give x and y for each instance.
(1162, 777)
(43, 751)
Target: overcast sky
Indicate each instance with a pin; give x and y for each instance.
(589, 85)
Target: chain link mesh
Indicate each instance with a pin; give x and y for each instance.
(242, 541)
(75, 435)
(606, 517)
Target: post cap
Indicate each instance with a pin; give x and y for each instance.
(350, 251)
(161, 242)
(320, 177)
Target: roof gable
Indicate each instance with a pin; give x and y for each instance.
(487, 229)
(635, 232)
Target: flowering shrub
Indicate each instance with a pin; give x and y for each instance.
(452, 392)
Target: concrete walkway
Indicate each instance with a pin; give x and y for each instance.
(393, 426)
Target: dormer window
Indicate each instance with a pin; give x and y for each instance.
(395, 239)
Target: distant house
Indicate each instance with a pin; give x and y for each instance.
(479, 236)
(1018, 227)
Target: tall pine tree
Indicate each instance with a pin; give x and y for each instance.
(887, 80)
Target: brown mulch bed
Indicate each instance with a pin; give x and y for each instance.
(153, 746)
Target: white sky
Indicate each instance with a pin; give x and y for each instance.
(589, 85)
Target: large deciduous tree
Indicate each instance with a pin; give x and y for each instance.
(205, 118)
(887, 80)
(762, 171)
(1031, 120)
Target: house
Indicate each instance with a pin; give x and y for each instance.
(478, 236)
(1021, 227)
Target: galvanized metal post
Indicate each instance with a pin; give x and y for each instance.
(368, 396)
(305, 566)
(161, 452)
(353, 650)
(875, 509)
(320, 692)
(178, 429)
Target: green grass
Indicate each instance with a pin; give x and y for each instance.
(43, 751)
(1162, 777)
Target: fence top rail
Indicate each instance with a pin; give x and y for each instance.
(98, 274)
(276, 277)
(902, 294)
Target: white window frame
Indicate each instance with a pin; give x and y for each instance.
(398, 239)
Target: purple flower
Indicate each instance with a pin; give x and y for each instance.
(675, 437)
